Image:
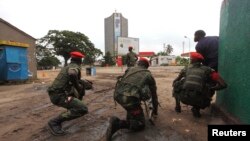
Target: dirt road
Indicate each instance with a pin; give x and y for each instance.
(25, 110)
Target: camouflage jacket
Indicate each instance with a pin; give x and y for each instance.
(62, 82)
(194, 77)
(136, 82)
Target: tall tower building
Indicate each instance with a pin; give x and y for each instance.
(115, 26)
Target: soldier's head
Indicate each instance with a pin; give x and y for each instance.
(76, 57)
(199, 34)
(130, 48)
(196, 57)
(143, 62)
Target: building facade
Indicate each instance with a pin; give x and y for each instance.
(114, 26)
(163, 60)
(11, 33)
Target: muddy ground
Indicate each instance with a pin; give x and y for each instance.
(25, 110)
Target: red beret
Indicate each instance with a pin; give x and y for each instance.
(130, 47)
(145, 60)
(196, 55)
(76, 54)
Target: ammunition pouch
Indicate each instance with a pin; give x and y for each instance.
(178, 88)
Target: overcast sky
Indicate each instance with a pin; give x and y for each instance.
(154, 22)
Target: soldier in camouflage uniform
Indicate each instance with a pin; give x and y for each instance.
(196, 84)
(136, 85)
(67, 91)
(131, 57)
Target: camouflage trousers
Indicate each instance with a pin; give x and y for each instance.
(135, 115)
(75, 108)
(193, 98)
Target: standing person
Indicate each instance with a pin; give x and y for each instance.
(135, 86)
(208, 48)
(131, 57)
(196, 84)
(67, 91)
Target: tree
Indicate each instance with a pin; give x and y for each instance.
(167, 50)
(42, 52)
(162, 53)
(181, 61)
(108, 59)
(64, 42)
(45, 58)
(48, 62)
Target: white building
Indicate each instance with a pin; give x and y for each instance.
(163, 60)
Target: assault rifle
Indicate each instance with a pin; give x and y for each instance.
(149, 110)
(86, 84)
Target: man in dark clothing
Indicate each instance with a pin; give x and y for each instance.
(208, 48)
(136, 85)
(67, 91)
(131, 57)
(196, 84)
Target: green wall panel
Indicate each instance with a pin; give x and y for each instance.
(234, 58)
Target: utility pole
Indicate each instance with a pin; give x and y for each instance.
(188, 47)
(183, 45)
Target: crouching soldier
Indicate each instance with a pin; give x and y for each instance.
(67, 91)
(135, 86)
(196, 84)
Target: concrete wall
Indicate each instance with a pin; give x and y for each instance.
(11, 33)
(234, 58)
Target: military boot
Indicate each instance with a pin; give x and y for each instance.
(112, 128)
(55, 126)
(196, 112)
(178, 109)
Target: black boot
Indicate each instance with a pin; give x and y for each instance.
(178, 109)
(112, 128)
(55, 126)
(196, 112)
(177, 105)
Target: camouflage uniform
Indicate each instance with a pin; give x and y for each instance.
(136, 85)
(60, 90)
(193, 86)
(131, 59)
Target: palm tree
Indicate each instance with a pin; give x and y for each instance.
(168, 49)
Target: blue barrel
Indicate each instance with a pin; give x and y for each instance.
(93, 71)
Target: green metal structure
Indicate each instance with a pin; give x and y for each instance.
(234, 58)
